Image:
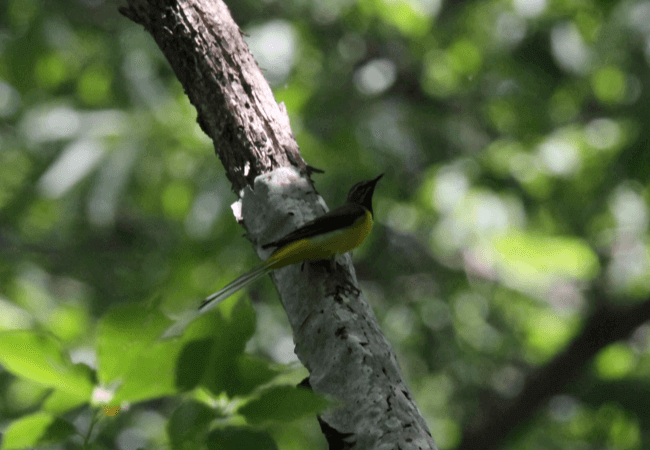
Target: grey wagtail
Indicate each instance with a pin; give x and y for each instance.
(334, 233)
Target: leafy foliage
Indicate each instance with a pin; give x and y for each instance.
(514, 135)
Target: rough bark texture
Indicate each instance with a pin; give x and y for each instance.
(235, 105)
(336, 334)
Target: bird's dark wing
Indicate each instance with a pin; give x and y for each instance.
(341, 217)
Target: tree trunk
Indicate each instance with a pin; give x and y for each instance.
(337, 336)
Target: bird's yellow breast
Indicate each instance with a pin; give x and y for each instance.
(325, 245)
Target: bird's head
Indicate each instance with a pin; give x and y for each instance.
(361, 193)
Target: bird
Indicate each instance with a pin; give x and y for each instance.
(334, 233)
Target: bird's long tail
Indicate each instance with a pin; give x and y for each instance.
(179, 326)
(234, 286)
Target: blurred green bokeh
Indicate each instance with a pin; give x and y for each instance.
(514, 135)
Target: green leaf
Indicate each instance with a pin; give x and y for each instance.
(283, 404)
(36, 430)
(240, 439)
(249, 373)
(233, 331)
(124, 334)
(38, 357)
(153, 375)
(188, 425)
(192, 363)
(130, 352)
(59, 402)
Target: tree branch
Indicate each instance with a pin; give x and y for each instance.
(337, 337)
(606, 325)
(235, 104)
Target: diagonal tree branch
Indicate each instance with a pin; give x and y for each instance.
(235, 104)
(605, 325)
(337, 338)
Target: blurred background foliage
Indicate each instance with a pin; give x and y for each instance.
(514, 135)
